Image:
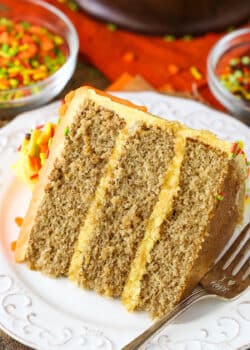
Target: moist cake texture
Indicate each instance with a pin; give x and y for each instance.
(121, 217)
(185, 228)
(70, 187)
(131, 205)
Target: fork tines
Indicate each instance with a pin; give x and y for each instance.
(236, 260)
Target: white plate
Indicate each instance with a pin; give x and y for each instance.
(53, 314)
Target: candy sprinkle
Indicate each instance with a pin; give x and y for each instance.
(230, 29)
(50, 141)
(247, 198)
(169, 38)
(47, 153)
(111, 27)
(220, 196)
(195, 73)
(173, 69)
(66, 131)
(33, 153)
(35, 176)
(237, 148)
(19, 221)
(187, 37)
(29, 53)
(42, 158)
(128, 56)
(13, 246)
(27, 136)
(235, 77)
(70, 3)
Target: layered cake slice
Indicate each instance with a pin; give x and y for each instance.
(131, 205)
(81, 147)
(127, 195)
(174, 256)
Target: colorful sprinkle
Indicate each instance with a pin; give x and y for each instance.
(169, 38)
(233, 147)
(42, 158)
(247, 201)
(35, 176)
(66, 131)
(230, 29)
(173, 69)
(47, 154)
(187, 37)
(235, 77)
(27, 136)
(33, 152)
(29, 53)
(111, 27)
(167, 88)
(129, 56)
(71, 4)
(237, 148)
(247, 198)
(13, 246)
(195, 73)
(19, 221)
(220, 196)
(39, 127)
(50, 142)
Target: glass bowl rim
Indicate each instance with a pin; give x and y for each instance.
(70, 59)
(213, 58)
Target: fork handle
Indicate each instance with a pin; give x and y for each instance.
(197, 294)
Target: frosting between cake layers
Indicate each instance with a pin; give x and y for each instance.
(162, 209)
(87, 229)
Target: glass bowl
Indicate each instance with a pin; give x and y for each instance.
(235, 44)
(41, 13)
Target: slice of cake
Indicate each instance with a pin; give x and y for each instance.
(141, 164)
(81, 146)
(174, 256)
(131, 205)
(153, 259)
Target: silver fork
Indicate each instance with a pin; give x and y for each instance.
(222, 280)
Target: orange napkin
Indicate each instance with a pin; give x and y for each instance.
(128, 82)
(178, 65)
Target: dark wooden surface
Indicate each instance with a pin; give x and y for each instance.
(84, 74)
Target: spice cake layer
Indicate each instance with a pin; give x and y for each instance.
(81, 147)
(82, 144)
(191, 235)
(119, 215)
(131, 205)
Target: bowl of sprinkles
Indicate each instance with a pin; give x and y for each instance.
(229, 72)
(38, 53)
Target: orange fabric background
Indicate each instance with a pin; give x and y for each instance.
(166, 65)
